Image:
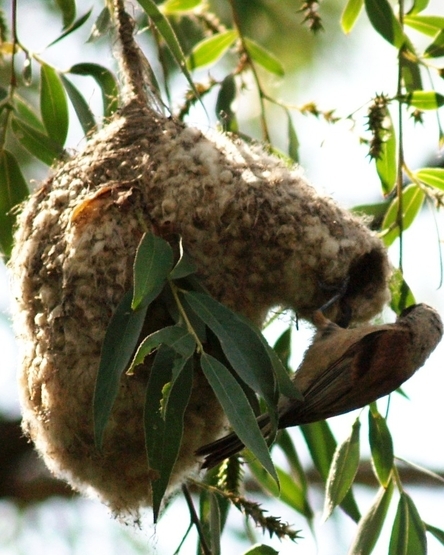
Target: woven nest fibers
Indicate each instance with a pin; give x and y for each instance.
(258, 233)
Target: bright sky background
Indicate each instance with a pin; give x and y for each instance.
(334, 162)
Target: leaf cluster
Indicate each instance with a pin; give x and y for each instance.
(246, 367)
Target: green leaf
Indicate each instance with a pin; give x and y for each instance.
(371, 524)
(86, 117)
(411, 73)
(176, 337)
(24, 111)
(53, 104)
(224, 102)
(434, 177)
(322, 445)
(425, 100)
(418, 6)
(386, 164)
(164, 429)
(342, 471)
(209, 50)
(101, 27)
(408, 533)
(163, 26)
(238, 410)
(261, 549)
(35, 142)
(428, 25)
(72, 28)
(27, 70)
(152, 264)
(381, 16)
(350, 14)
(376, 211)
(401, 294)
(240, 344)
(436, 48)
(13, 191)
(381, 446)
(120, 341)
(282, 347)
(436, 532)
(291, 493)
(106, 81)
(293, 141)
(412, 201)
(68, 9)
(179, 6)
(185, 265)
(264, 58)
(285, 443)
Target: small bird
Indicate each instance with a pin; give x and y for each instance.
(346, 369)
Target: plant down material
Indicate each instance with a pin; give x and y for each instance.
(259, 235)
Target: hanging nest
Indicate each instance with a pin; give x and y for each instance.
(259, 235)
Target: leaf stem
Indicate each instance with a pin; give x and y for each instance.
(175, 290)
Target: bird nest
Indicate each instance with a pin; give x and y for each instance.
(258, 233)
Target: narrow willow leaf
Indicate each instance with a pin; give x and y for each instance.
(68, 9)
(185, 265)
(282, 347)
(411, 74)
(238, 410)
(261, 549)
(264, 57)
(381, 16)
(72, 28)
(350, 14)
(386, 164)
(342, 471)
(86, 117)
(163, 26)
(240, 344)
(224, 102)
(215, 525)
(209, 50)
(290, 493)
(176, 337)
(164, 431)
(293, 141)
(401, 294)
(101, 27)
(436, 49)
(429, 25)
(370, 525)
(106, 81)
(412, 201)
(53, 104)
(418, 6)
(436, 532)
(13, 190)
(322, 445)
(426, 100)
(376, 211)
(25, 112)
(36, 143)
(152, 264)
(179, 6)
(381, 446)
(120, 341)
(408, 533)
(434, 177)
